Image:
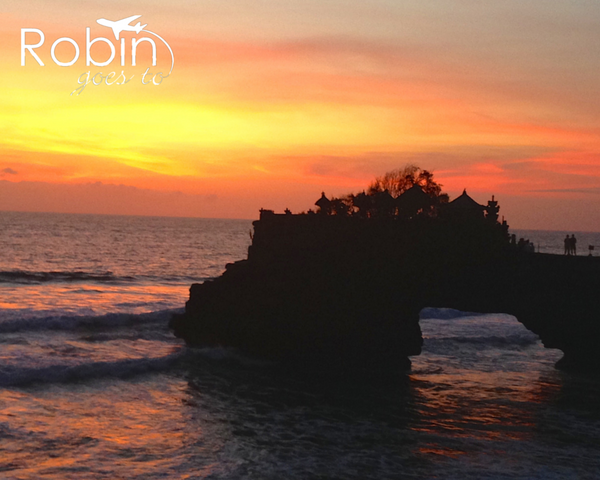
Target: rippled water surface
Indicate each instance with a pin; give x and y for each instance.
(93, 385)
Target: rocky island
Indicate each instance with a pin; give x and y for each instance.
(343, 286)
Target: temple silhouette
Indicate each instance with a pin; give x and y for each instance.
(343, 285)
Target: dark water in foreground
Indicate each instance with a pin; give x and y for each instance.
(93, 385)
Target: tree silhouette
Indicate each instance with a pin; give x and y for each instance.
(382, 197)
(398, 181)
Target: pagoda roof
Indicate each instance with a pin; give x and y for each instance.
(323, 202)
(414, 194)
(465, 202)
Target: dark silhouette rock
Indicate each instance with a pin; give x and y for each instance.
(320, 289)
(346, 291)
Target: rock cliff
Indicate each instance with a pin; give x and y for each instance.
(346, 292)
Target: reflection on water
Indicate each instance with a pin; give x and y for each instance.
(228, 418)
(138, 428)
(47, 300)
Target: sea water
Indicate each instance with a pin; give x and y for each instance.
(94, 385)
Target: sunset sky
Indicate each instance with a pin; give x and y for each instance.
(273, 101)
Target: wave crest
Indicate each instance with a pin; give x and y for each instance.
(64, 322)
(25, 277)
(430, 313)
(523, 340)
(18, 375)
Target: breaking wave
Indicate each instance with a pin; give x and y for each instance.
(65, 322)
(445, 314)
(25, 277)
(483, 342)
(23, 375)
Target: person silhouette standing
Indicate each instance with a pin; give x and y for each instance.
(573, 244)
(567, 245)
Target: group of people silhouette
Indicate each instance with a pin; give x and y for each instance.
(522, 244)
(570, 245)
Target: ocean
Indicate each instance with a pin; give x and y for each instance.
(94, 385)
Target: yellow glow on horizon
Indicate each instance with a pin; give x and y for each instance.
(137, 133)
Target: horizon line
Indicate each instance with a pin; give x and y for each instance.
(238, 219)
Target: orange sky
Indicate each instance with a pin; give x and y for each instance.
(271, 102)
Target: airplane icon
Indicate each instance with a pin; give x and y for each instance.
(122, 25)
